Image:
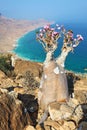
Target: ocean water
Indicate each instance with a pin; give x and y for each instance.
(30, 49)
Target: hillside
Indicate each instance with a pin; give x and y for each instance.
(12, 29)
(18, 97)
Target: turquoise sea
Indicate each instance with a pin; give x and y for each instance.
(30, 49)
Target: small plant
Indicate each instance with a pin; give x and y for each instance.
(30, 81)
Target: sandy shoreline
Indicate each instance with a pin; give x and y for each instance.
(9, 42)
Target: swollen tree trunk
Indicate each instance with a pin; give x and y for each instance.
(53, 86)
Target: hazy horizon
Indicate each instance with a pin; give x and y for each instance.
(72, 11)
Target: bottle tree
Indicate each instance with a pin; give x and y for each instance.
(53, 85)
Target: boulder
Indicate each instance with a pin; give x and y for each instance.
(63, 111)
(83, 125)
(68, 125)
(29, 127)
(60, 125)
(22, 66)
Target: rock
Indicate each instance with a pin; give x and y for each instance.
(12, 115)
(53, 124)
(70, 110)
(81, 85)
(6, 82)
(29, 127)
(3, 91)
(60, 111)
(83, 125)
(38, 127)
(22, 66)
(2, 74)
(31, 105)
(19, 80)
(81, 96)
(59, 125)
(19, 90)
(69, 125)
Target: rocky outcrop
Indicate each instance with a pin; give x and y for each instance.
(19, 109)
(2, 74)
(71, 110)
(22, 66)
(12, 112)
(7, 82)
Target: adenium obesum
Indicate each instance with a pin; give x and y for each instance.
(53, 84)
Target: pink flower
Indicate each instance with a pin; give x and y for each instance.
(52, 29)
(55, 33)
(79, 37)
(41, 35)
(46, 27)
(44, 30)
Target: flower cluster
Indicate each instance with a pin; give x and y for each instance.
(70, 41)
(49, 36)
(79, 37)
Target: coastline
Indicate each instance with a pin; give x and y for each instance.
(83, 75)
(8, 47)
(10, 40)
(11, 30)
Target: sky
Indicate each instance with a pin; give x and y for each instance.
(62, 10)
